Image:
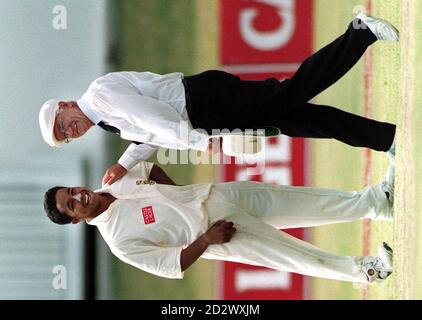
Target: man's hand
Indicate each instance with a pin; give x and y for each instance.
(222, 231)
(114, 173)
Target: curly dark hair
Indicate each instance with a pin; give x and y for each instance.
(51, 209)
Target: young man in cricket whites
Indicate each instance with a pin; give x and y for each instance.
(163, 228)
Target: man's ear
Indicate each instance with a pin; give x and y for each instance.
(75, 221)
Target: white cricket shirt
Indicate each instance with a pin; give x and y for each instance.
(149, 224)
(145, 107)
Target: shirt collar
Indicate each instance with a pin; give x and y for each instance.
(104, 216)
(88, 110)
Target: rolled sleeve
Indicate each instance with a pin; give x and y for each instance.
(163, 262)
(136, 153)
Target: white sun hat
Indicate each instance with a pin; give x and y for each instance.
(46, 118)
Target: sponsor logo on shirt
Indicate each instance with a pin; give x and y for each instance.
(148, 215)
(139, 182)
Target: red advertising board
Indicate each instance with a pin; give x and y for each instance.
(284, 165)
(265, 31)
(261, 39)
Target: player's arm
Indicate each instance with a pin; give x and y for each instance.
(158, 175)
(220, 232)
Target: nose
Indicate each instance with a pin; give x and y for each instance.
(77, 197)
(72, 129)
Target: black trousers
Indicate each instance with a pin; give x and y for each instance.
(219, 100)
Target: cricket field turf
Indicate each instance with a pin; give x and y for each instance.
(391, 97)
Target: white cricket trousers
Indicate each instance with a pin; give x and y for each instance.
(258, 210)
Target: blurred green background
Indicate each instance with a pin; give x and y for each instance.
(165, 36)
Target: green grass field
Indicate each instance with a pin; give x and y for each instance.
(181, 35)
(395, 99)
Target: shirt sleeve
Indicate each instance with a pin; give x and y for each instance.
(163, 262)
(141, 170)
(155, 116)
(136, 153)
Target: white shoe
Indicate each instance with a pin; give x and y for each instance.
(381, 267)
(388, 184)
(382, 29)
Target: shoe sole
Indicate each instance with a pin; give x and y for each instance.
(393, 30)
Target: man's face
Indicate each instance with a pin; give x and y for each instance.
(70, 122)
(77, 202)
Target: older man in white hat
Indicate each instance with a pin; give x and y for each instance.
(119, 108)
(169, 110)
(52, 116)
